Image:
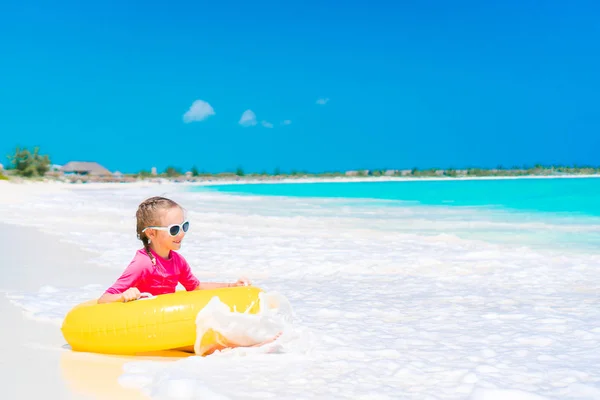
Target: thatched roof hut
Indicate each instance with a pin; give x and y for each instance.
(85, 168)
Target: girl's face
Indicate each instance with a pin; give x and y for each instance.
(162, 240)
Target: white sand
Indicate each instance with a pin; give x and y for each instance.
(34, 361)
(242, 180)
(383, 311)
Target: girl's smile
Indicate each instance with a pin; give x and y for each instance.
(161, 241)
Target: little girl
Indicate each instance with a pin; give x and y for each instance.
(158, 268)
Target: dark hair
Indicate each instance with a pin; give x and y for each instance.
(147, 215)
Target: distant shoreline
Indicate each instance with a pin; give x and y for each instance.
(243, 180)
(345, 179)
(29, 165)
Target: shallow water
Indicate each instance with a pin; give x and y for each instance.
(415, 302)
(569, 196)
(534, 211)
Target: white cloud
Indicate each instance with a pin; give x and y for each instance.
(267, 124)
(199, 110)
(286, 122)
(248, 118)
(323, 101)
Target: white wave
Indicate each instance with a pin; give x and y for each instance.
(423, 303)
(51, 304)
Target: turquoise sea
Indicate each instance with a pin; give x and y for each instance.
(577, 196)
(545, 211)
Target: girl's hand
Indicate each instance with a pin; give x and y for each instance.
(130, 294)
(242, 282)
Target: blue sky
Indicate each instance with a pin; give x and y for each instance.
(429, 84)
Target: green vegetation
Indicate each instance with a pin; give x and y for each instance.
(451, 172)
(144, 174)
(29, 164)
(172, 172)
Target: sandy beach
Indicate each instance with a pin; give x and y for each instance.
(243, 181)
(37, 349)
(379, 313)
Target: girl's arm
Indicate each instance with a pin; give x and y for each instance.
(124, 289)
(218, 285)
(128, 295)
(212, 285)
(191, 282)
(110, 298)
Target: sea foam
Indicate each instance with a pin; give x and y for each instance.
(423, 303)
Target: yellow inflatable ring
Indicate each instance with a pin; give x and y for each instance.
(164, 322)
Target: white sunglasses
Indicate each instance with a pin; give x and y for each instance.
(173, 229)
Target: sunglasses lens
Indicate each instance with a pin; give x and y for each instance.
(174, 230)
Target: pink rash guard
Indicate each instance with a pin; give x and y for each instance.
(156, 279)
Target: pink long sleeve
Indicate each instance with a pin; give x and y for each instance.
(186, 277)
(161, 278)
(133, 274)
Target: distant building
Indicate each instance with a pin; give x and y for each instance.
(362, 172)
(84, 168)
(153, 171)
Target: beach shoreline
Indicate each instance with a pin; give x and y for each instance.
(153, 182)
(35, 262)
(384, 179)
